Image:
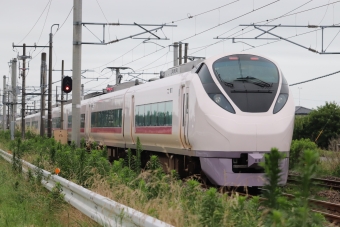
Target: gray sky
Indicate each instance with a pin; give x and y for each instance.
(19, 17)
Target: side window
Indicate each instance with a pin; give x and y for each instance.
(205, 75)
(82, 120)
(154, 114)
(147, 110)
(161, 115)
(69, 121)
(168, 113)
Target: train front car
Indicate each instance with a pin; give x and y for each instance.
(243, 109)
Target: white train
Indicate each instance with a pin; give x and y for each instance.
(220, 117)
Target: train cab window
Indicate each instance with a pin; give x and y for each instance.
(205, 75)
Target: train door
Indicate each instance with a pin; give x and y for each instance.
(185, 116)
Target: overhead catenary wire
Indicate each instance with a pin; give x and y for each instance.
(105, 19)
(316, 78)
(45, 20)
(199, 14)
(34, 23)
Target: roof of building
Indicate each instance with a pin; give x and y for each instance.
(300, 110)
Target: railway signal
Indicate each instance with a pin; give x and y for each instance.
(67, 84)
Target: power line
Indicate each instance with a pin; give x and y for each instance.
(34, 23)
(199, 14)
(45, 20)
(315, 78)
(231, 20)
(105, 18)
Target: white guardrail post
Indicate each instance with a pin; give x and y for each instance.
(99, 208)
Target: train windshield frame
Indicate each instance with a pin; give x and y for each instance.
(235, 67)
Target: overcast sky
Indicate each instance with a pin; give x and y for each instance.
(20, 24)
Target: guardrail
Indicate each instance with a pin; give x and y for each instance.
(99, 208)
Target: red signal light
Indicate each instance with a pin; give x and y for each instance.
(254, 58)
(233, 58)
(67, 84)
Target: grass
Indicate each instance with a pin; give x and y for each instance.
(24, 203)
(164, 196)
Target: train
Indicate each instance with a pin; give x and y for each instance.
(216, 117)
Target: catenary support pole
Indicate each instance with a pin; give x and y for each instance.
(43, 92)
(4, 104)
(49, 114)
(82, 91)
(62, 97)
(180, 53)
(14, 88)
(14, 97)
(23, 92)
(186, 52)
(76, 73)
(175, 54)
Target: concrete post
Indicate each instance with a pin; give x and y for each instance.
(62, 97)
(186, 52)
(14, 88)
(76, 73)
(82, 92)
(180, 54)
(23, 93)
(175, 54)
(4, 120)
(49, 114)
(43, 92)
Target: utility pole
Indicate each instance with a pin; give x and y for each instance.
(82, 91)
(49, 123)
(62, 97)
(23, 91)
(299, 94)
(4, 104)
(180, 53)
(176, 54)
(76, 73)
(43, 91)
(14, 88)
(186, 52)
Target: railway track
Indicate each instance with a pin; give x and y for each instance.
(331, 211)
(325, 183)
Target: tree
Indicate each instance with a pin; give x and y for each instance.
(321, 125)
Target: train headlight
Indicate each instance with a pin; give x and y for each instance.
(220, 100)
(280, 102)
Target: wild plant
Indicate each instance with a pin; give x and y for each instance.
(301, 216)
(273, 174)
(212, 209)
(17, 155)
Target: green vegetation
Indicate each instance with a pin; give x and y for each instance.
(163, 195)
(321, 125)
(25, 203)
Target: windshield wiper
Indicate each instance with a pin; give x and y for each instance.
(225, 82)
(255, 81)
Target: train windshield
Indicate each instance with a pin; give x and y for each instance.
(246, 67)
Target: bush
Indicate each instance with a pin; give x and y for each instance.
(321, 125)
(296, 149)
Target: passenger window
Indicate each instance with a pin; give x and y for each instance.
(161, 115)
(147, 110)
(168, 113)
(154, 114)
